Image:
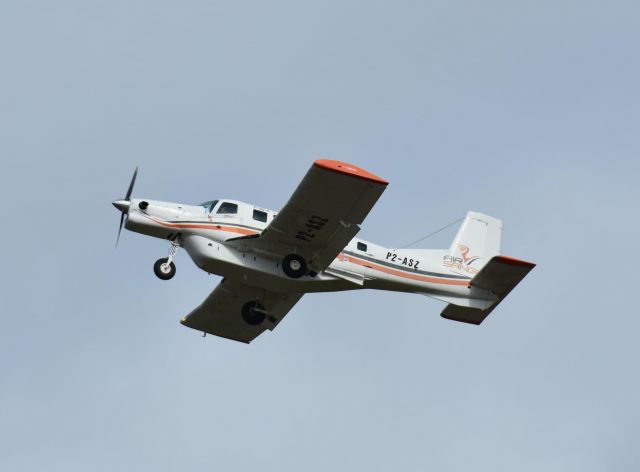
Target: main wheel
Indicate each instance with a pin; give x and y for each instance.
(253, 313)
(294, 266)
(163, 270)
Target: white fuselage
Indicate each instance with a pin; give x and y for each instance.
(208, 236)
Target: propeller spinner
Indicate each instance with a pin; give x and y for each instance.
(124, 204)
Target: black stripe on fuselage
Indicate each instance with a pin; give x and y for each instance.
(405, 269)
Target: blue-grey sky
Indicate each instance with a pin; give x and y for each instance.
(528, 111)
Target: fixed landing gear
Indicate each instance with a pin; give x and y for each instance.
(164, 268)
(253, 313)
(294, 266)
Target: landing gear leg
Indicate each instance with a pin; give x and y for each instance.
(164, 268)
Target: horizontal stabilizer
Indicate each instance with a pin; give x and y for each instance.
(465, 314)
(499, 276)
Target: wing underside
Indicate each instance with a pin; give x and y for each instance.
(320, 218)
(322, 215)
(221, 313)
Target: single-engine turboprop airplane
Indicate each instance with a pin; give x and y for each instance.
(269, 259)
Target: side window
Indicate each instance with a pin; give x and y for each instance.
(362, 247)
(260, 215)
(227, 208)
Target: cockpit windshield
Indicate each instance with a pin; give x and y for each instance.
(209, 206)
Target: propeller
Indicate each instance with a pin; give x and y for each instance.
(123, 205)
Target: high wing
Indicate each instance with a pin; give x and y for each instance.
(221, 313)
(322, 215)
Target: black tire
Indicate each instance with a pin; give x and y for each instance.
(294, 266)
(251, 315)
(162, 271)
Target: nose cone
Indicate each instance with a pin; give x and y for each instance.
(122, 205)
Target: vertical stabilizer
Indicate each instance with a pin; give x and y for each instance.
(477, 241)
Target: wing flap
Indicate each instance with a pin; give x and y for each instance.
(352, 277)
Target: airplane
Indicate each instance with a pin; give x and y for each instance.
(269, 260)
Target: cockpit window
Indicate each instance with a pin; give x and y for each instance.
(227, 208)
(209, 206)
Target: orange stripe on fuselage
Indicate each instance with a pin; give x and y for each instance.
(353, 260)
(406, 275)
(211, 227)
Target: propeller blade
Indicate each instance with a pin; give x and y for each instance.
(133, 181)
(123, 205)
(120, 229)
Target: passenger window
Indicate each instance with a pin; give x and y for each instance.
(362, 247)
(260, 215)
(227, 208)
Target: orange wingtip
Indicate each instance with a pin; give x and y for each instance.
(349, 169)
(514, 261)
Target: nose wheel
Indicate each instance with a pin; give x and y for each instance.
(164, 268)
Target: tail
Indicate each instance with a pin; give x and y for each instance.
(477, 241)
(475, 253)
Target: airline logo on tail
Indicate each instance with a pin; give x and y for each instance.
(464, 250)
(461, 263)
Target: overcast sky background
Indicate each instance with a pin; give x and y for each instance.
(527, 111)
